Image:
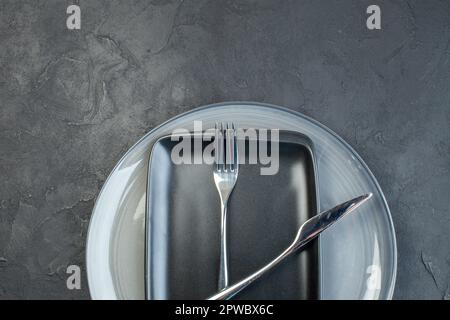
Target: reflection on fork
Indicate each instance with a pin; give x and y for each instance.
(225, 177)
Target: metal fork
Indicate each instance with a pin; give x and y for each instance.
(225, 177)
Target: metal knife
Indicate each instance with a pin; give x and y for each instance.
(308, 231)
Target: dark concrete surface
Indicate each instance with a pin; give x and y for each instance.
(72, 103)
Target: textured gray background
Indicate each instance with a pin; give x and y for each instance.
(72, 103)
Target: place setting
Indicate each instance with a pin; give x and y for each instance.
(241, 201)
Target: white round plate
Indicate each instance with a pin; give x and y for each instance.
(359, 258)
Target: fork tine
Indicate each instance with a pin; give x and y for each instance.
(233, 138)
(233, 147)
(221, 148)
(229, 148)
(216, 145)
(236, 150)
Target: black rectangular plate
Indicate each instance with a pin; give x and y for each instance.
(183, 225)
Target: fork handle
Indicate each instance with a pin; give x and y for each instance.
(223, 269)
